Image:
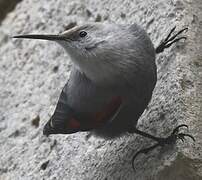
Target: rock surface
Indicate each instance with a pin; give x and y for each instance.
(32, 74)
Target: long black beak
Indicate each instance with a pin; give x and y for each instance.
(42, 37)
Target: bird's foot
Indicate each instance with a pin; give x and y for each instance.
(171, 139)
(169, 40)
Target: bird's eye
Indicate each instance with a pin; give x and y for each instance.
(82, 33)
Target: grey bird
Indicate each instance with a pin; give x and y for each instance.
(111, 83)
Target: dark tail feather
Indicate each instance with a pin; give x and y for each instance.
(64, 120)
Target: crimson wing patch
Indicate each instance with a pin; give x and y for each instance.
(107, 113)
(66, 121)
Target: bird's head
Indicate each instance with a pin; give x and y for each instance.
(98, 49)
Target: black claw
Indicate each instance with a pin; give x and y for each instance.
(169, 40)
(172, 30)
(182, 135)
(163, 141)
(173, 37)
(176, 130)
(169, 44)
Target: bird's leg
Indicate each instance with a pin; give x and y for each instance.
(171, 139)
(169, 40)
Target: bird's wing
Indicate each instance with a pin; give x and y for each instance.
(106, 114)
(62, 115)
(65, 120)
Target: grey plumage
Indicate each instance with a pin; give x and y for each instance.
(112, 60)
(111, 82)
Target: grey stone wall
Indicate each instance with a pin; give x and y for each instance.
(32, 74)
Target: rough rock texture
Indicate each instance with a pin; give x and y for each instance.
(32, 74)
